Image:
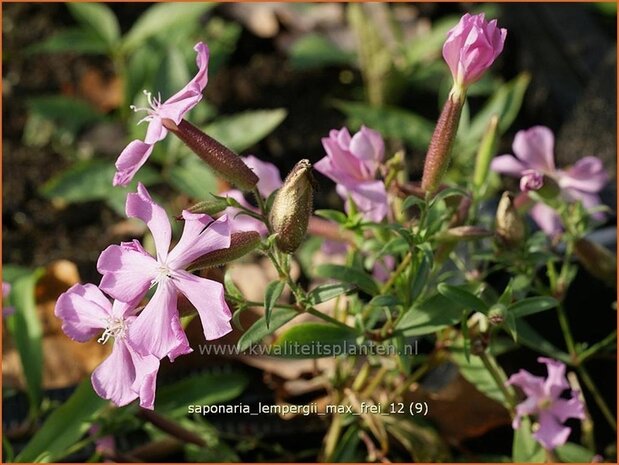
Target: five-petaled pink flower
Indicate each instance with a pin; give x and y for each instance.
(269, 181)
(175, 108)
(126, 374)
(129, 272)
(352, 163)
(544, 400)
(533, 160)
(471, 48)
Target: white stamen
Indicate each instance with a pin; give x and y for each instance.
(163, 272)
(116, 328)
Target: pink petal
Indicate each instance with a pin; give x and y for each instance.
(130, 161)
(368, 145)
(140, 205)
(146, 368)
(157, 330)
(546, 218)
(84, 311)
(507, 164)
(127, 274)
(345, 167)
(200, 235)
(587, 175)
(551, 434)
(156, 131)
(112, 380)
(564, 409)
(199, 81)
(532, 386)
(6, 288)
(555, 382)
(208, 298)
(535, 148)
(269, 178)
(371, 200)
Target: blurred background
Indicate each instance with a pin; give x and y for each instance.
(280, 77)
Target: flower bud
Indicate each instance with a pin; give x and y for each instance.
(227, 164)
(292, 207)
(241, 243)
(211, 206)
(463, 233)
(471, 48)
(509, 223)
(497, 314)
(597, 260)
(531, 180)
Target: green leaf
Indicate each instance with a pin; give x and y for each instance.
(316, 51)
(273, 292)
(162, 18)
(433, 314)
(194, 178)
(64, 427)
(525, 448)
(231, 288)
(203, 389)
(447, 193)
(98, 18)
(173, 73)
(532, 305)
(349, 275)
(332, 215)
(314, 340)
(475, 372)
(529, 337)
(27, 332)
(462, 297)
(413, 200)
(429, 45)
(505, 103)
(242, 130)
(390, 122)
(71, 40)
(256, 332)
(574, 453)
(327, 292)
(420, 272)
(90, 180)
(69, 113)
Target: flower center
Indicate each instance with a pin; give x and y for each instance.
(154, 105)
(116, 328)
(544, 403)
(163, 272)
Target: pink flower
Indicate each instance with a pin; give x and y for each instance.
(534, 158)
(269, 181)
(544, 400)
(175, 108)
(129, 271)
(6, 311)
(471, 48)
(352, 163)
(126, 374)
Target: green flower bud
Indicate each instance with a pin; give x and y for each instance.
(241, 243)
(227, 164)
(509, 224)
(497, 314)
(211, 206)
(292, 207)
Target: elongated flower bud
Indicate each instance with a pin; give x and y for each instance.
(292, 207)
(597, 260)
(241, 243)
(509, 223)
(437, 158)
(211, 206)
(463, 233)
(227, 164)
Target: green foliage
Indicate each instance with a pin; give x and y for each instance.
(26, 330)
(349, 275)
(64, 427)
(256, 332)
(194, 178)
(241, 131)
(273, 292)
(202, 389)
(429, 316)
(314, 340)
(525, 448)
(316, 51)
(98, 18)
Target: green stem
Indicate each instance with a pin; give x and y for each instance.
(399, 270)
(599, 400)
(567, 332)
(499, 379)
(591, 351)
